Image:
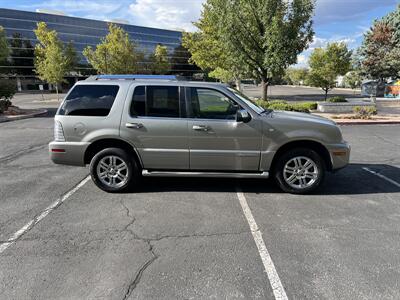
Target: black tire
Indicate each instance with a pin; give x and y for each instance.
(288, 156)
(131, 174)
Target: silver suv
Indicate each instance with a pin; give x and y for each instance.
(132, 125)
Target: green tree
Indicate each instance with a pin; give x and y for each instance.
(258, 37)
(51, 62)
(209, 52)
(327, 64)
(380, 50)
(296, 76)
(159, 62)
(4, 49)
(353, 79)
(116, 54)
(7, 91)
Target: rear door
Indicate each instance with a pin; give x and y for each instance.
(154, 121)
(216, 140)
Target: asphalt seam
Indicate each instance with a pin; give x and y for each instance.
(22, 152)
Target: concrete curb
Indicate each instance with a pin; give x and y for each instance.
(369, 122)
(42, 112)
(313, 87)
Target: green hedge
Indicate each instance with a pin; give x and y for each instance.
(284, 105)
(337, 99)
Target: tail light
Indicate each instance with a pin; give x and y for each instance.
(58, 132)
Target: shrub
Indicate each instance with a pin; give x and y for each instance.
(365, 112)
(337, 99)
(284, 105)
(267, 104)
(306, 105)
(280, 106)
(7, 91)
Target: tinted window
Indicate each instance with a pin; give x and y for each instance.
(156, 101)
(138, 106)
(89, 100)
(211, 104)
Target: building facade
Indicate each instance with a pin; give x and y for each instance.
(19, 26)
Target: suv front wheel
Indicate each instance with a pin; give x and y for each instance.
(299, 171)
(113, 170)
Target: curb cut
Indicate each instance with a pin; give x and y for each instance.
(22, 117)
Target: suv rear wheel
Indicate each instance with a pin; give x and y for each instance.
(299, 171)
(113, 170)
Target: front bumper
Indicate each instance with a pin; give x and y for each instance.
(340, 155)
(68, 153)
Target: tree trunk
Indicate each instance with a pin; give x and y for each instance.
(326, 93)
(264, 88)
(58, 98)
(238, 86)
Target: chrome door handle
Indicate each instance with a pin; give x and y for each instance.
(200, 128)
(134, 125)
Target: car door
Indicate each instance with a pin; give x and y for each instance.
(216, 140)
(154, 122)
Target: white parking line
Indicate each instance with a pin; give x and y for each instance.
(28, 226)
(382, 176)
(276, 284)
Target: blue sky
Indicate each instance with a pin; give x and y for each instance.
(335, 20)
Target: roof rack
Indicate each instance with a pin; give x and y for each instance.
(132, 77)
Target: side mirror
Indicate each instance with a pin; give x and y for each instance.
(243, 116)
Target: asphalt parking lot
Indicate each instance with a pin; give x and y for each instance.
(63, 238)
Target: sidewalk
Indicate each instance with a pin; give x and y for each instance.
(21, 114)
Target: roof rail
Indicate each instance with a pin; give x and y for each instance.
(132, 77)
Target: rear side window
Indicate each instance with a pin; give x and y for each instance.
(89, 100)
(155, 101)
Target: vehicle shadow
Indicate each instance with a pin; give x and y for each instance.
(353, 180)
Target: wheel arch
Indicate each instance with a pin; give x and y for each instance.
(309, 144)
(101, 144)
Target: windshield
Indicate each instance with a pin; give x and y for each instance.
(245, 99)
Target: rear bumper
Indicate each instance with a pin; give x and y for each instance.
(340, 155)
(68, 153)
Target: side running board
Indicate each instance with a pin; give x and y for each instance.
(148, 173)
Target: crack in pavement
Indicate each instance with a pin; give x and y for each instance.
(17, 154)
(128, 214)
(139, 273)
(149, 242)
